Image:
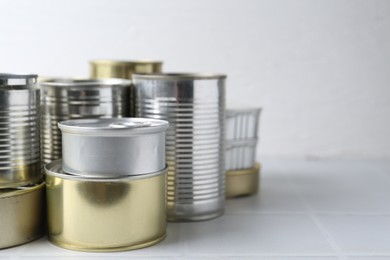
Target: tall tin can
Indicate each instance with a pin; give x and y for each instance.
(19, 131)
(194, 105)
(123, 69)
(64, 99)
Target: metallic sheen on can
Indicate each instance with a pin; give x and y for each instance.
(113, 147)
(242, 123)
(19, 131)
(242, 182)
(194, 105)
(22, 214)
(64, 99)
(123, 69)
(96, 214)
(240, 154)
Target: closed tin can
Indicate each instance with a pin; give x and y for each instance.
(123, 69)
(22, 214)
(64, 99)
(113, 147)
(97, 214)
(242, 182)
(242, 123)
(19, 131)
(194, 105)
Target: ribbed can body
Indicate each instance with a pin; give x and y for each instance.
(73, 99)
(194, 105)
(19, 131)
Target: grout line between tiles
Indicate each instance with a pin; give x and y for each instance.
(329, 238)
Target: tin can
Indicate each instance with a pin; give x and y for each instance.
(19, 131)
(22, 215)
(97, 214)
(123, 69)
(194, 105)
(242, 182)
(64, 99)
(113, 147)
(240, 154)
(242, 123)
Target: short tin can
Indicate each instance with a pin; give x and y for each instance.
(67, 98)
(113, 147)
(97, 214)
(242, 123)
(240, 154)
(194, 105)
(242, 182)
(19, 131)
(123, 69)
(22, 214)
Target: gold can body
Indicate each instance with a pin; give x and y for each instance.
(21, 215)
(123, 69)
(242, 182)
(93, 214)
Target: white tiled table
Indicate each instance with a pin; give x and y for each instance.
(305, 210)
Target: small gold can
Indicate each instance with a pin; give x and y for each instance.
(242, 182)
(103, 215)
(21, 215)
(123, 69)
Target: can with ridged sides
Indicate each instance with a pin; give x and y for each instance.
(22, 215)
(194, 105)
(64, 99)
(105, 214)
(123, 69)
(19, 131)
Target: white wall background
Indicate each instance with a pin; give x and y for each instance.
(320, 69)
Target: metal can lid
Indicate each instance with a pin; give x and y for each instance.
(9, 79)
(113, 126)
(83, 82)
(124, 62)
(179, 76)
(10, 192)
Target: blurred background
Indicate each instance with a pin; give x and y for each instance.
(319, 69)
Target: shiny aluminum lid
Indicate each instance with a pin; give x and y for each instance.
(113, 126)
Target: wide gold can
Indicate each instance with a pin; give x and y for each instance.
(123, 69)
(103, 215)
(21, 214)
(242, 182)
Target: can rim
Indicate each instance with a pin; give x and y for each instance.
(55, 169)
(84, 82)
(123, 126)
(254, 170)
(11, 192)
(17, 76)
(232, 111)
(124, 62)
(179, 75)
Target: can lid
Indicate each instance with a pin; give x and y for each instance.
(176, 76)
(81, 83)
(9, 79)
(124, 62)
(10, 192)
(113, 126)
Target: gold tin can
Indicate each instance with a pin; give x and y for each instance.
(21, 215)
(104, 215)
(242, 182)
(123, 69)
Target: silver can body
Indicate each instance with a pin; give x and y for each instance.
(19, 131)
(113, 147)
(194, 105)
(64, 99)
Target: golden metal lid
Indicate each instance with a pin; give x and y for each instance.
(242, 182)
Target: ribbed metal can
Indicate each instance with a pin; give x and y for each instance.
(123, 69)
(113, 147)
(19, 131)
(194, 105)
(64, 99)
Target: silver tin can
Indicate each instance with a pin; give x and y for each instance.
(64, 99)
(19, 131)
(113, 147)
(194, 105)
(240, 154)
(242, 123)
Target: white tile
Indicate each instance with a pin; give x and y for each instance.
(281, 258)
(369, 258)
(235, 235)
(339, 186)
(364, 235)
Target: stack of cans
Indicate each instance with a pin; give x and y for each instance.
(21, 187)
(242, 172)
(109, 191)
